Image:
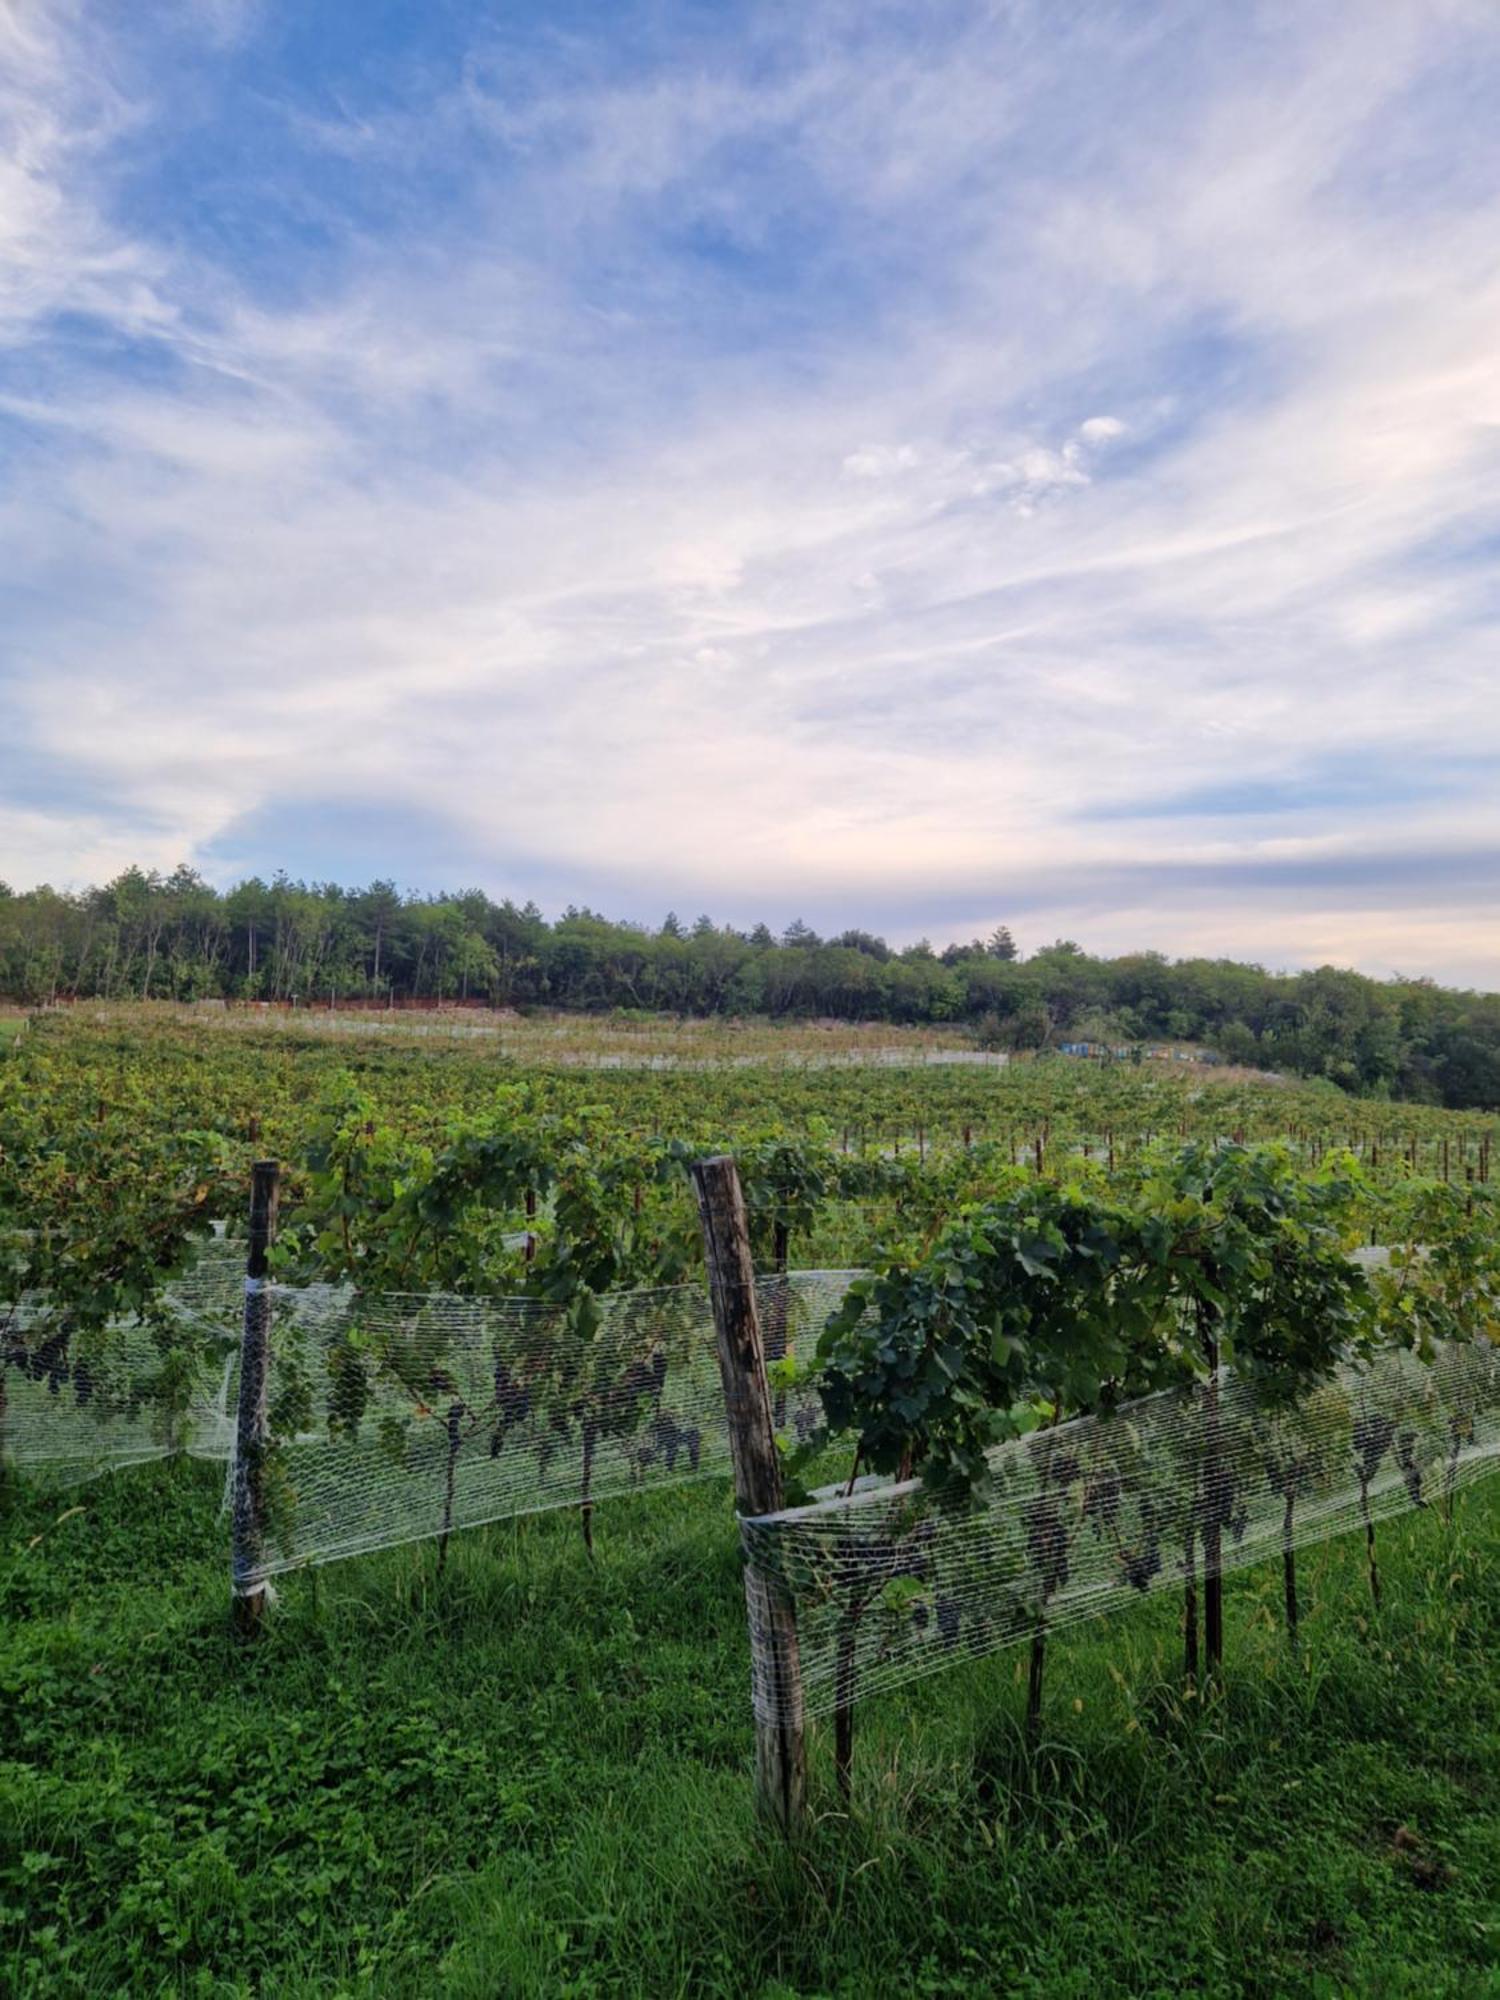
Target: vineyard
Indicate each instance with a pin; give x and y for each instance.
(1111, 1440)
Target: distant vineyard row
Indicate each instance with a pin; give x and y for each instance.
(454, 1166)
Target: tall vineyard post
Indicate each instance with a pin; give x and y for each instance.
(780, 1738)
(251, 1430)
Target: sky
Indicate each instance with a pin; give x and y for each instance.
(917, 467)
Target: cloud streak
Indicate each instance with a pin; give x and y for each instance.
(913, 474)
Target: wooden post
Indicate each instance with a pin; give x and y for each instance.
(780, 1740)
(250, 1432)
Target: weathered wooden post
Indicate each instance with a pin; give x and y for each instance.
(780, 1732)
(247, 1497)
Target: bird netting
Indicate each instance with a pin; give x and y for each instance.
(394, 1418)
(76, 1400)
(1077, 1520)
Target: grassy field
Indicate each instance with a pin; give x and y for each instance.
(530, 1776)
(539, 1038)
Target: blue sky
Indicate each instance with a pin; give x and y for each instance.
(916, 467)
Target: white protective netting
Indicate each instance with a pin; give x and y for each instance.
(78, 1401)
(394, 1418)
(1091, 1515)
(397, 1417)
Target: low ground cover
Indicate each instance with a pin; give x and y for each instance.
(530, 1776)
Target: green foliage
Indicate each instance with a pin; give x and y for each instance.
(1059, 1300)
(1253, 1254)
(97, 1214)
(1024, 1306)
(1443, 1281)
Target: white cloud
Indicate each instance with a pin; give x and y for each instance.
(881, 460)
(473, 526)
(59, 114)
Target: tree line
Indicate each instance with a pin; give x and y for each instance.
(148, 935)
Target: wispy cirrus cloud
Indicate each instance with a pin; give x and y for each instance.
(1017, 462)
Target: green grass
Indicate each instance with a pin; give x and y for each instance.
(531, 1777)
